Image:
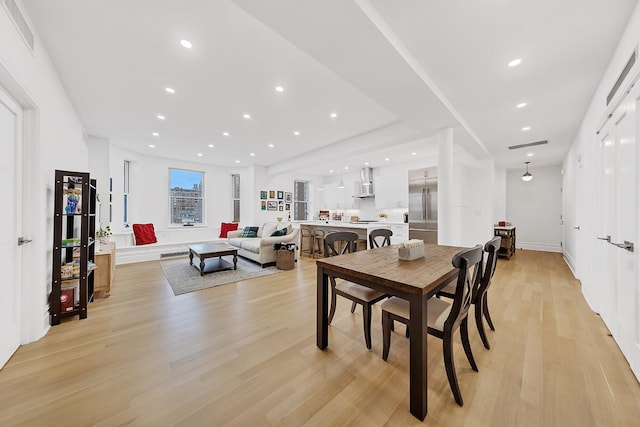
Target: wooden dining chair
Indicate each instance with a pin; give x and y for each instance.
(380, 237)
(340, 243)
(443, 318)
(480, 297)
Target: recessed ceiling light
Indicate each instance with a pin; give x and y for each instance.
(330, 170)
(155, 134)
(252, 154)
(246, 116)
(237, 161)
(521, 105)
(271, 145)
(366, 163)
(152, 146)
(296, 133)
(526, 128)
(529, 154)
(200, 154)
(414, 153)
(346, 168)
(169, 90)
(160, 117)
(279, 89)
(515, 62)
(211, 145)
(386, 160)
(186, 43)
(225, 133)
(333, 115)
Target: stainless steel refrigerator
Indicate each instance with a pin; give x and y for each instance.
(423, 204)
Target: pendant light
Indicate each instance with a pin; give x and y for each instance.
(526, 177)
(341, 183)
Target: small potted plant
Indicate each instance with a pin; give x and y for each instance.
(383, 216)
(103, 234)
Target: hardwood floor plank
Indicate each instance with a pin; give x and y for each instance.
(244, 354)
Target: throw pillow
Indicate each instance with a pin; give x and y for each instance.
(250, 232)
(226, 227)
(282, 232)
(144, 234)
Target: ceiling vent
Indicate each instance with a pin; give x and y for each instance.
(531, 144)
(20, 23)
(623, 75)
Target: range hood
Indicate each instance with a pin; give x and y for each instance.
(365, 189)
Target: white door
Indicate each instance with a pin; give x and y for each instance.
(618, 202)
(10, 218)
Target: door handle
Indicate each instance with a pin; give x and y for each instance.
(22, 241)
(626, 245)
(608, 238)
(576, 228)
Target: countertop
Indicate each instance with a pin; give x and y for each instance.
(347, 224)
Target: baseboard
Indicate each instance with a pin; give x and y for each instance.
(570, 263)
(155, 251)
(542, 247)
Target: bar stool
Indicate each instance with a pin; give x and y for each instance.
(317, 242)
(306, 233)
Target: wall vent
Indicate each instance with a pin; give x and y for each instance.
(21, 24)
(623, 75)
(531, 144)
(172, 254)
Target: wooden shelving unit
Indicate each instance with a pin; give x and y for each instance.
(508, 242)
(74, 226)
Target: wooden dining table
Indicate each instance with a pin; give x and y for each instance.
(415, 281)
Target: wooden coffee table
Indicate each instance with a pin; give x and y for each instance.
(206, 251)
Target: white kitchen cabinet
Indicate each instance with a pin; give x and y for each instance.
(338, 198)
(392, 191)
(400, 231)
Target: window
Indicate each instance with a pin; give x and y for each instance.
(235, 191)
(125, 192)
(300, 199)
(186, 196)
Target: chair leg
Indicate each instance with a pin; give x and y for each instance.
(480, 324)
(406, 332)
(353, 307)
(332, 311)
(447, 351)
(464, 334)
(366, 314)
(387, 325)
(485, 310)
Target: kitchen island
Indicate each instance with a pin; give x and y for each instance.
(362, 229)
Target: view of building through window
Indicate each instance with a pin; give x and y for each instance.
(300, 199)
(235, 178)
(186, 196)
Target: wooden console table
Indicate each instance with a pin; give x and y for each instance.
(508, 242)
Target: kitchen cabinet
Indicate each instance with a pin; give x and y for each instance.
(338, 198)
(392, 191)
(400, 231)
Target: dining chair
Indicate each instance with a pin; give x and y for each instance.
(380, 237)
(340, 243)
(480, 296)
(443, 318)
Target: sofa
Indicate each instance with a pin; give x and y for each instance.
(260, 249)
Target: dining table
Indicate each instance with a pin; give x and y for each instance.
(415, 281)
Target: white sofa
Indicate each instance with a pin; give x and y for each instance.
(260, 249)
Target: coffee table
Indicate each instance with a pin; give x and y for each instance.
(206, 251)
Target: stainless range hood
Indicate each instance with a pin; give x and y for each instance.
(365, 189)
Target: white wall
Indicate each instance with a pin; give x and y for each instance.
(535, 207)
(56, 141)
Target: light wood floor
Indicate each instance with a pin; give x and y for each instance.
(244, 354)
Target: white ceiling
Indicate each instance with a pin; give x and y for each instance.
(394, 72)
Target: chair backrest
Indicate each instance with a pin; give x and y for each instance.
(469, 265)
(385, 236)
(491, 248)
(340, 243)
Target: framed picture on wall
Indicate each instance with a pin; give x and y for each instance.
(281, 208)
(263, 195)
(287, 206)
(272, 194)
(288, 197)
(272, 205)
(263, 205)
(280, 195)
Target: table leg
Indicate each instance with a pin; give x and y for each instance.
(322, 319)
(190, 257)
(418, 357)
(201, 265)
(235, 261)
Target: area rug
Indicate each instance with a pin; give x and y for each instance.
(185, 278)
